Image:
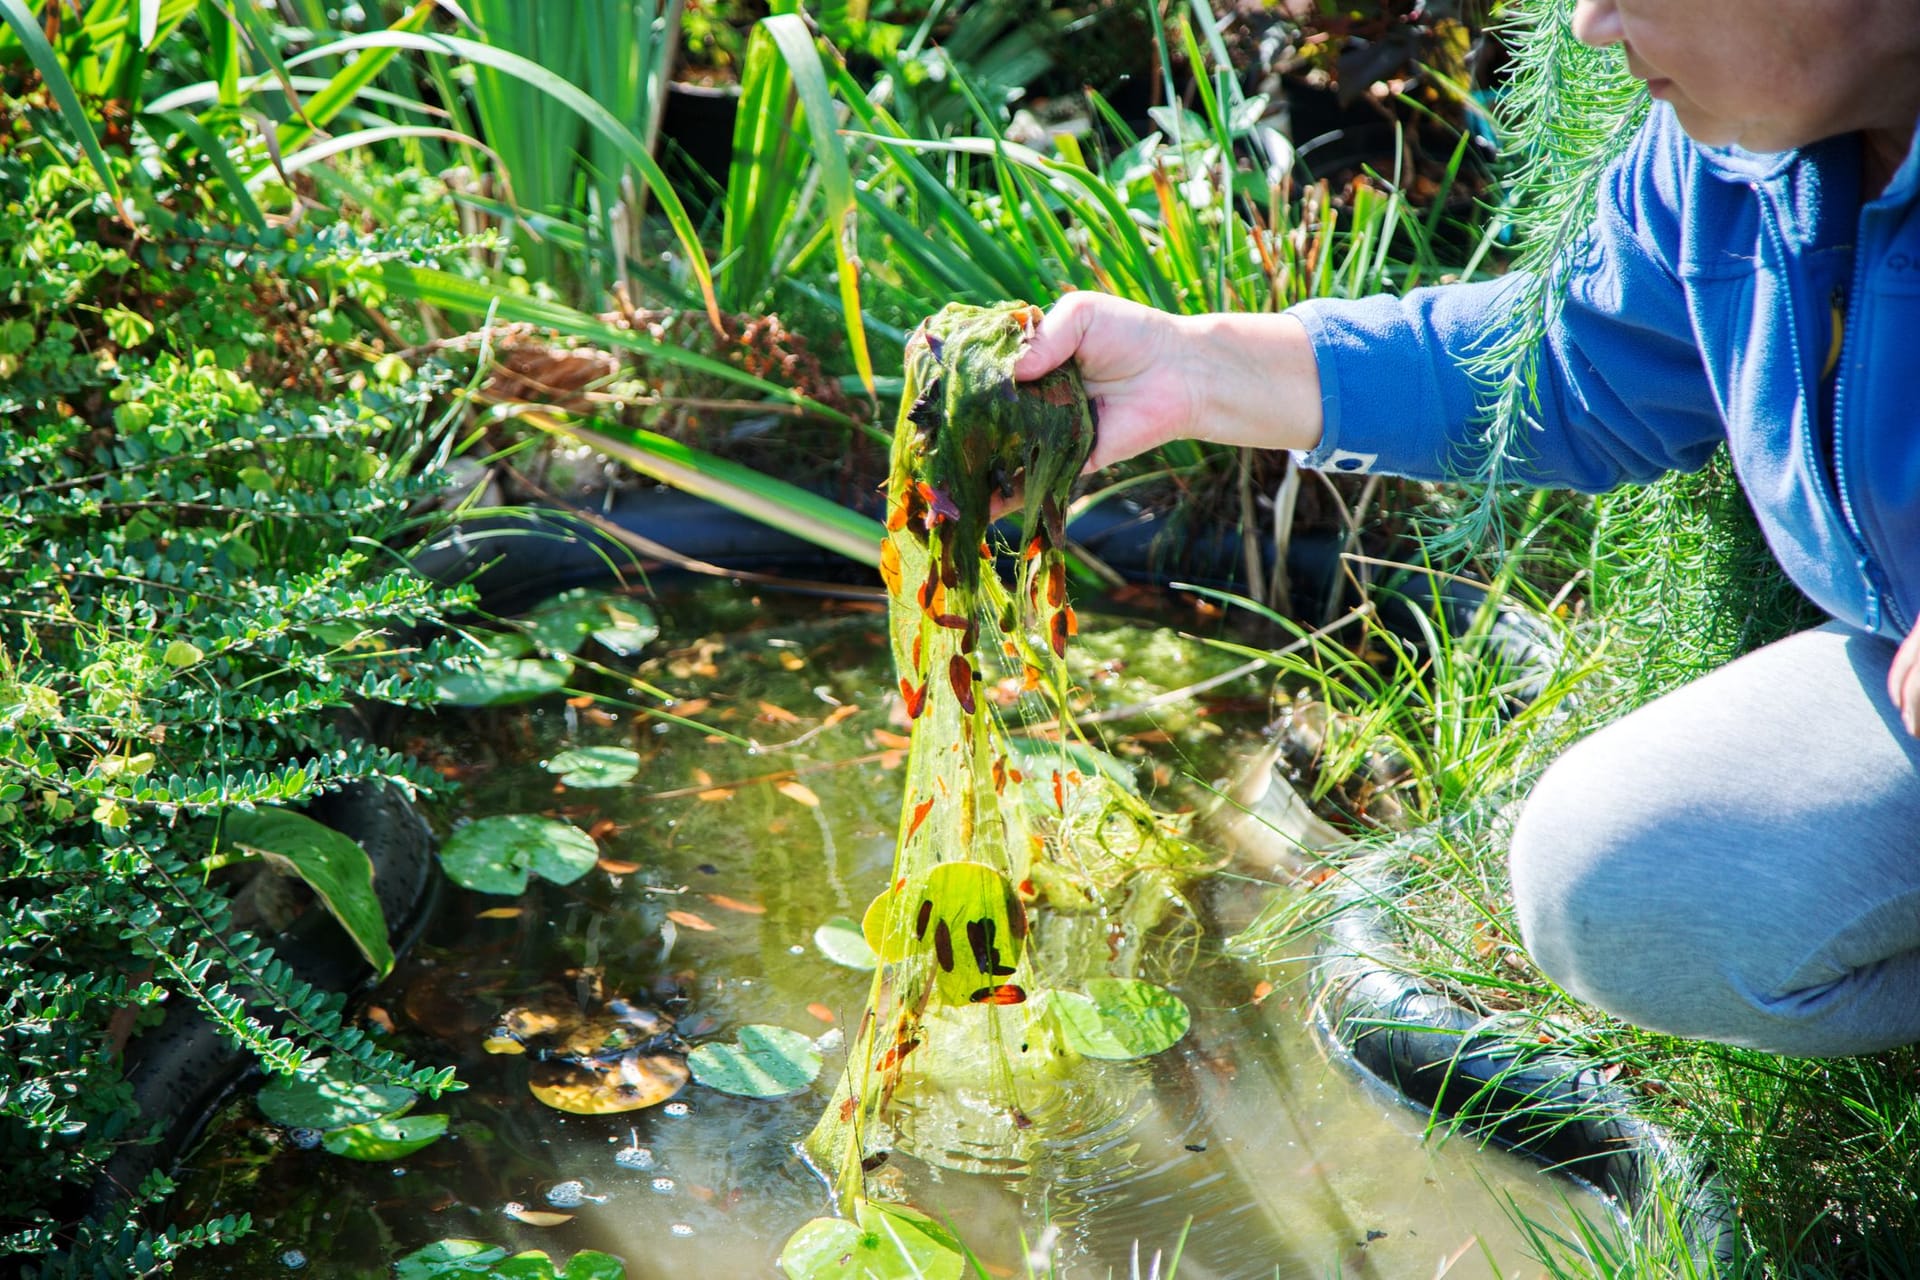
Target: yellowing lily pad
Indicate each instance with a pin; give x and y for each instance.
(967, 916)
(883, 1242)
(591, 1088)
(1120, 1018)
(763, 1062)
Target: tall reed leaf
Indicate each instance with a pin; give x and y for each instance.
(789, 31)
(54, 76)
(625, 141)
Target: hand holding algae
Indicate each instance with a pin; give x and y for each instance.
(993, 841)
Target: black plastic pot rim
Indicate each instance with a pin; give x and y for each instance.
(1441, 1059)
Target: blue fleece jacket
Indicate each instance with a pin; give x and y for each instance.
(1722, 295)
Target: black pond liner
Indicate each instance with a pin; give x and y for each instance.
(183, 1070)
(1425, 1048)
(1445, 1060)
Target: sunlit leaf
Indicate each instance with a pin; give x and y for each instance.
(496, 855)
(565, 622)
(840, 941)
(386, 1139)
(1120, 1018)
(495, 682)
(762, 1062)
(323, 1095)
(589, 767)
(967, 916)
(600, 1089)
(883, 1242)
(331, 863)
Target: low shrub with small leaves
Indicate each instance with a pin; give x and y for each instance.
(208, 457)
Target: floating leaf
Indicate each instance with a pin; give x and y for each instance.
(496, 855)
(821, 1012)
(763, 1062)
(452, 1258)
(699, 924)
(588, 767)
(883, 1242)
(967, 915)
(773, 713)
(496, 682)
(386, 1139)
(793, 789)
(323, 1096)
(537, 1217)
(1120, 1018)
(565, 622)
(735, 904)
(840, 941)
(331, 863)
(629, 1083)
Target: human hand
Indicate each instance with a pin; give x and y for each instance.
(1132, 360)
(1155, 377)
(1903, 681)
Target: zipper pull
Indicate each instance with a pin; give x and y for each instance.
(1871, 574)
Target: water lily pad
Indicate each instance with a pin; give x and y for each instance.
(593, 1088)
(565, 622)
(841, 941)
(883, 1242)
(763, 1062)
(323, 1096)
(451, 1258)
(497, 682)
(587, 767)
(1120, 1018)
(496, 855)
(386, 1139)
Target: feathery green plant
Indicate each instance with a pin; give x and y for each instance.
(1569, 111)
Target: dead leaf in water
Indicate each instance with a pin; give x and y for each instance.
(536, 1217)
(500, 913)
(715, 794)
(734, 904)
(821, 1012)
(773, 714)
(793, 789)
(689, 920)
(887, 738)
(838, 714)
(615, 867)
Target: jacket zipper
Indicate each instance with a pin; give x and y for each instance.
(1863, 562)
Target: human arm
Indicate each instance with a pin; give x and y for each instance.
(1903, 681)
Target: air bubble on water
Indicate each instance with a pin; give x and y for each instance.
(304, 1138)
(398, 1172)
(796, 950)
(663, 1185)
(677, 1109)
(571, 1194)
(293, 1259)
(829, 1040)
(634, 1157)
(681, 1228)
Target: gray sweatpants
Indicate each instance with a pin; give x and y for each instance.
(1739, 860)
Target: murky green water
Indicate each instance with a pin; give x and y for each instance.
(1284, 1163)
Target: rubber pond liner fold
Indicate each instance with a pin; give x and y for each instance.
(1440, 1057)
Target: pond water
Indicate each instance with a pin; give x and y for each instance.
(1274, 1160)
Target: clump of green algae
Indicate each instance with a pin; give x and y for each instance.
(988, 830)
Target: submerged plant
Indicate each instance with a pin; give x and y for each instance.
(970, 1016)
